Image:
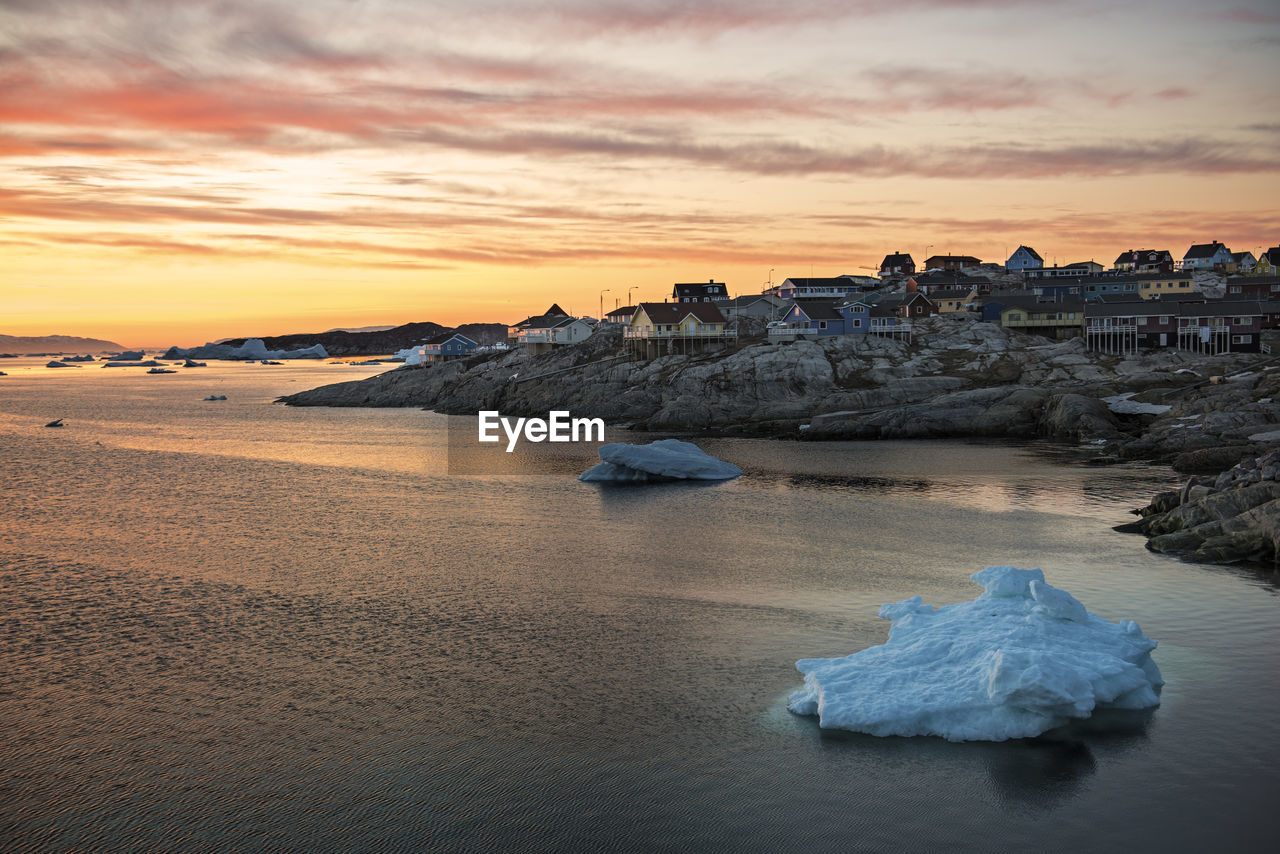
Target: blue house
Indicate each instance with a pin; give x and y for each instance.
(1024, 258)
(445, 346)
(810, 318)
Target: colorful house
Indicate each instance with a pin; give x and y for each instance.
(834, 287)
(1078, 270)
(1207, 256)
(897, 263)
(1144, 261)
(1253, 287)
(809, 318)
(950, 262)
(1123, 327)
(1024, 258)
(621, 316)
(951, 300)
(1220, 326)
(1268, 263)
(657, 328)
(1242, 262)
(1053, 318)
(546, 332)
(710, 291)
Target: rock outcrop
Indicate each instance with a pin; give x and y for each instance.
(1233, 516)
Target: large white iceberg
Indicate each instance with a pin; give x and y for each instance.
(1022, 658)
(663, 460)
(253, 349)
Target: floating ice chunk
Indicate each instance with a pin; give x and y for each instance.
(1122, 405)
(1022, 658)
(664, 460)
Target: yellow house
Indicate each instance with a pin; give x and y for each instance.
(1268, 263)
(951, 300)
(676, 320)
(1152, 287)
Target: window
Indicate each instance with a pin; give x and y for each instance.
(1234, 289)
(1142, 321)
(822, 324)
(1239, 321)
(1241, 339)
(857, 323)
(1164, 319)
(1013, 315)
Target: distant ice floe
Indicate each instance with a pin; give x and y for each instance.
(663, 460)
(252, 349)
(1122, 405)
(1022, 658)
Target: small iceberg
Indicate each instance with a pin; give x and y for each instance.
(664, 460)
(57, 422)
(216, 397)
(1022, 658)
(192, 364)
(161, 371)
(56, 364)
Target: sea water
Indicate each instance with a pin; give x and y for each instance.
(237, 625)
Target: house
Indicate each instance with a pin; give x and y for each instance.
(550, 330)
(1024, 258)
(834, 287)
(710, 291)
(1124, 326)
(439, 348)
(620, 315)
(809, 318)
(940, 280)
(1268, 262)
(763, 306)
(1053, 318)
(657, 328)
(1253, 287)
(1088, 288)
(1078, 270)
(950, 262)
(1144, 261)
(1220, 326)
(898, 263)
(1207, 256)
(951, 300)
(912, 305)
(513, 331)
(1241, 262)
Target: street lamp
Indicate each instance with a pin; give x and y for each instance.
(602, 293)
(925, 259)
(629, 290)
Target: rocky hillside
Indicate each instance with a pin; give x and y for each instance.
(958, 379)
(55, 344)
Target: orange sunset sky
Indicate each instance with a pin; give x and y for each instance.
(174, 172)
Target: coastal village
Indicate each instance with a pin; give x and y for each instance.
(1211, 301)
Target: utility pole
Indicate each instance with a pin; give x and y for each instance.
(602, 293)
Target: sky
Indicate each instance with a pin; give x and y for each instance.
(176, 171)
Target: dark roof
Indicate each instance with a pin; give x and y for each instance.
(625, 311)
(828, 282)
(1033, 253)
(699, 289)
(897, 259)
(1203, 250)
(445, 336)
(1239, 256)
(1273, 254)
(547, 321)
(818, 309)
(1253, 280)
(1135, 255)
(951, 258)
(1221, 308)
(555, 309)
(540, 320)
(745, 300)
(675, 312)
(950, 277)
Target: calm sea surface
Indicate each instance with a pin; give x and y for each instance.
(236, 625)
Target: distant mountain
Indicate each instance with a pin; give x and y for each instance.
(362, 329)
(55, 344)
(380, 342)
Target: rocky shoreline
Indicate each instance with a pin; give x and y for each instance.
(959, 379)
(1228, 518)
